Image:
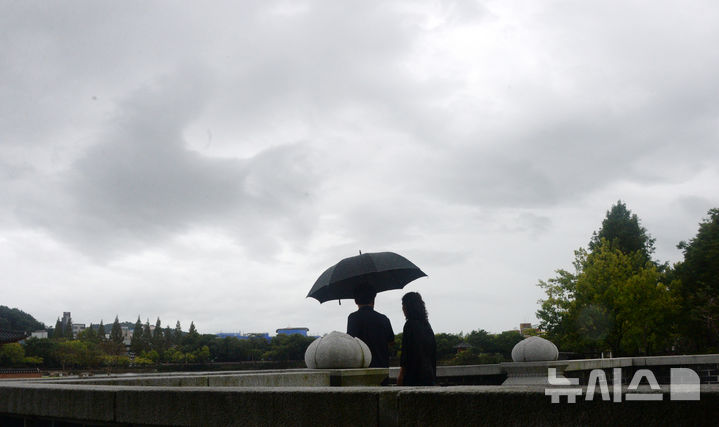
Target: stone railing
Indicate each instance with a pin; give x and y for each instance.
(332, 397)
(44, 403)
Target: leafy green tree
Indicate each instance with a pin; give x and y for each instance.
(622, 304)
(506, 341)
(87, 335)
(615, 301)
(481, 341)
(446, 345)
(555, 308)
(471, 357)
(174, 355)
(152, 355)
(142, 362)
(288, 347)
(11, 354)
(109, 347)
(70, 353)
(42, 349)
(617, 298)
(116, 332)
(115, 361)
(202, 354)
(228, 350)
(699, 275)
(33, 361)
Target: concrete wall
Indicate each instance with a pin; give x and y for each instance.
(304, 397)
(351, 406)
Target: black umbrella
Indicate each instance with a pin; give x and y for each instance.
(382, 270)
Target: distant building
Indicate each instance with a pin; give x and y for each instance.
(463, 346)
(66, 318)
(291, 331)
(39, 334)
(237, 335)
(77, 328)
(241, 336)
(526, 329)
(126, 335)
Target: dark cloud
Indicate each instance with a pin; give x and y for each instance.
(140, 185)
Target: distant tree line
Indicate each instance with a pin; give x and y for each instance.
(94, 348)
(620, 300)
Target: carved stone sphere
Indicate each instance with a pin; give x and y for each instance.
(337, 350)
(534, 349)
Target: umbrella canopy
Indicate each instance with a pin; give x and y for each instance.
(382, 270)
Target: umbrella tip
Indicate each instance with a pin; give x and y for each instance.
(360, 251)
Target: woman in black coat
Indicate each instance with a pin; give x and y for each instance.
(418, 364)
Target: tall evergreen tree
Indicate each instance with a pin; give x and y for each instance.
(116, 332)
(157, 341)
(68, 329)
(167, 337)
(136, 343)
(177, 334)
(193, 332)
(87, 334)
(146, 336)
(101, 331)
(623, 230)
(192, 336)
(58, 332)
(147, 331)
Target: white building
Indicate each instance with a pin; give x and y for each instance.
(39, 334)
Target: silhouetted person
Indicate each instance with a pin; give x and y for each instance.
(418, 364)
(373, 328)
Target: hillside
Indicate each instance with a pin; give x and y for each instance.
(17, 320)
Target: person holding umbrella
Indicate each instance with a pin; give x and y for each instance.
(373, 328)
(361, 277)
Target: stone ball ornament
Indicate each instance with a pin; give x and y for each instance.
(534, 349)
(337, 350)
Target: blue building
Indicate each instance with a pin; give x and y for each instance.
(291, 331)
(241, 336)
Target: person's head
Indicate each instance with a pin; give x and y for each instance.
(364, 294)
(413, 306)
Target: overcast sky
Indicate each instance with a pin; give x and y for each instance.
(207, 161)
